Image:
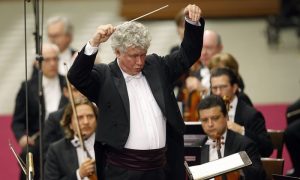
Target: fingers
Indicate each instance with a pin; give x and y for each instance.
(102, 34)
(87, 168)
(193, 12)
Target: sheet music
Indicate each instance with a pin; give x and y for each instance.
(220, 166)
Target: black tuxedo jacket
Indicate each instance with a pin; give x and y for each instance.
(52, 129)
(255, 127)
(105, 85)
(61, 162)
(19, 116)
(234, 144)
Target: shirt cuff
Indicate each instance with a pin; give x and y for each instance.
(243, 131)
(77, 175)
(89, 49)
(192, 22)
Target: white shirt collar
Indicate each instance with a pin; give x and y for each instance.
(89, 142)
(49, 81)
(212, 142)
(127, 76)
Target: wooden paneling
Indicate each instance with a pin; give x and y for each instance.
(211, 8)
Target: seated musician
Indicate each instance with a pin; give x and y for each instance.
(214, 117)
(243, 118)
(66, 159)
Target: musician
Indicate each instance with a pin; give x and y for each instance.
(52, 129)
(65, 158)
(52, 100)
(140, 129)
(243, 118)
(60, 32)
(214, 117)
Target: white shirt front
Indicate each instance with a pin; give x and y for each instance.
(213, 154)
(81, 155)
(147, 123)
(52, 94)
(65, 57)
(232, 108)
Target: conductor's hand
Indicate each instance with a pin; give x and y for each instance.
(192, 12)
(102, 34)
(87, 168)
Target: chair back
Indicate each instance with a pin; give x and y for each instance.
(272, 166)
(277, 141)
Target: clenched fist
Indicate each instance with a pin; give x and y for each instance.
(102, 34)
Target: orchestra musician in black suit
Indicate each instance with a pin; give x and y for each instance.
(214, 117)
(66, 158)
(52, 100)
(243, 118)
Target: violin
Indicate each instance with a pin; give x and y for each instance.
(191, 102)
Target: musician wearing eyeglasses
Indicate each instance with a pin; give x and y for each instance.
(243, 118)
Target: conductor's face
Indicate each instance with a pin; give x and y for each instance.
(214, 123)
(132, 60)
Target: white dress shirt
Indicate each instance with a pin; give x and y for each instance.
(213, 154)
(52, 94)
(81, 155)
(232, 108)
(65, 57)
(147, 123)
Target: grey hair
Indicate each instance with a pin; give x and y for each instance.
(68, 26)
(130, 34)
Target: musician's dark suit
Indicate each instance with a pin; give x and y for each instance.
(19, 116)
(255, 127)
(61, 162)
(236, 143)
(19, 123)
(52, 129)
(105, 85)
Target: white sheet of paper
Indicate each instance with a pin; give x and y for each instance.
(212, 168)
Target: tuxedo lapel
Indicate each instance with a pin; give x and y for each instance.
(119, 81)
(71, 156)
(204, 154)
(154, 80)
(238, 118)
(204, 151)
(229, 143)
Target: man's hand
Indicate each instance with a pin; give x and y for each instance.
(102, 34)
(192, 12)
(87, 168)
(235, 127)
(23, 141)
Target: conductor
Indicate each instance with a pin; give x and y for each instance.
(140, 128)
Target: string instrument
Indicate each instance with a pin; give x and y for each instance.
(191, 102)
(234, 175)
(92, 176)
